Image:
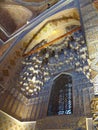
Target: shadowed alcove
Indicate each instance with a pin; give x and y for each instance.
(61, 96)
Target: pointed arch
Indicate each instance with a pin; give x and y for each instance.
(60, 102)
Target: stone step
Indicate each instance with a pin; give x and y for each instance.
(62, 122)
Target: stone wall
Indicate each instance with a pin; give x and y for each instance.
(89, 13)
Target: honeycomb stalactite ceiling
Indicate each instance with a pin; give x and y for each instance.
(62, 30)
(32, 85)
(52, 32)
(39, 67)
(53, 27)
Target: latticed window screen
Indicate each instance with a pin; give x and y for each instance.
(61, 96)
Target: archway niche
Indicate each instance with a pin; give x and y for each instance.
(60, 102)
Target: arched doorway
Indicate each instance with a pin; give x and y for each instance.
(61, 96)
